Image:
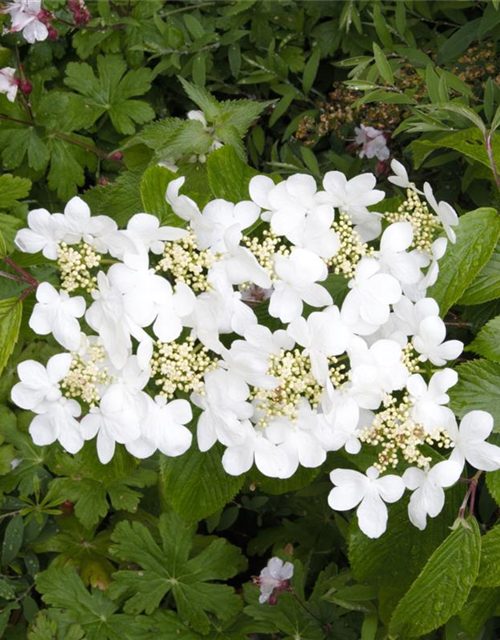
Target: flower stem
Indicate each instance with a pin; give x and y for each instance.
(489, 151)
(470, 494)
(326, 627)
(28, 278)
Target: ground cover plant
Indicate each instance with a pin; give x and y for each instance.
(249, 320)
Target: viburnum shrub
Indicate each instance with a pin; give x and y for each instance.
(160, 327)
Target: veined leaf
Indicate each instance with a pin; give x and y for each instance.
(228, 176)
(487, 341)
(443, 587)
(154, 185)
(11, 311)
(478, 387)
(477, 235)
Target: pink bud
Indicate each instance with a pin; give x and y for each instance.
(103, 181)
(53, 33)
(26, 87)
(44, 16)
(118, 155)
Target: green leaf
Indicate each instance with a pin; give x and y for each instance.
(477, 235)
(394, 560)
(493, 484)
(199, 69)
(487, 341)
(67, 166)
(443, 587)
(187, 489)
(111, 91)
(154, 185)
(458, 42)
(12, 189)
(489, 569)
(202, 98)
(486, 286)
(383, 66)
(478, 387)
(9, 226)
(73, 604)
(16, 144)
(119, 200)
(93, 487)
(11, 311)
(381, 28)
(13, 539)
(311, 70)
(310, 160)
(228, 176)
(480, 607)
(172, 568)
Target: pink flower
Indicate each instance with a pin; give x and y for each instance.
(373, 142)
(273, 579)
(8, 84)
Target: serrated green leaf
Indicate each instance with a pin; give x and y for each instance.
(169, 568)
(67, 166)
(202, 98)
(394, 560)
(185, 486)
(480, 607)
(112, 90)
(12, 189)
(489, 569)
(228, 176)
(9, 226)
(478, 387)
(443, 587)
(487, 341)
(493, 484)
(94, 612)
(11, 311)
(477, 235)
(154, 185)
(486, 286)
(16, 144)
(119, 200)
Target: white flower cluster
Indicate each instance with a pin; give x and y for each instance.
(157, 320)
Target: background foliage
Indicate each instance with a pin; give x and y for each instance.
(166, 548)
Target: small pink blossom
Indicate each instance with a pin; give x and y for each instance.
(373, 143)
(273, 580)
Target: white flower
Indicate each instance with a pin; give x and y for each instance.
(315, 233)
(43, 234)
(25, 18)
(369, 492)
(224, 404)
(427, 485)
(270, 459)
(428, 401)
(107, 316)
(58, 422)
(445, 212)
(400, 177)
(121, 411)
(298, 276)
(163, 428)
(57, 313)
(323, 334)
(375, 371)
(146, 229)
(373, 141)
(430, 342)
(338, 424)
(240, 264)
(371, 294)
(287, 203)
(39, 386)
(354, 197)
(223, 215)
(393, 257)
(297, 439)
(274, 578)
(470, 442)
(8, 83)
(409, 315)
(143, 290)
(176, 307)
